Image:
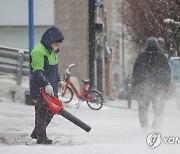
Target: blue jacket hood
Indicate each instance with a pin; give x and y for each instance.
(52, 35)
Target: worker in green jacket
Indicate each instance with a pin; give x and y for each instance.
(44, 67)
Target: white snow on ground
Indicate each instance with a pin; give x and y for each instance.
(115, 130)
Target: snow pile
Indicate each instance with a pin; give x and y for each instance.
(9, 89)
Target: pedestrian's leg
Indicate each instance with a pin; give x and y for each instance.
(40, 119)
(41, 127)
(158, 107)
(40, 122)
(49, 117)
(143, 112)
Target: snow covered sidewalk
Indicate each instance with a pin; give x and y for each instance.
(114, 131)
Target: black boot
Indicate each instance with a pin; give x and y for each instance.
(34, 135)
(44, 140)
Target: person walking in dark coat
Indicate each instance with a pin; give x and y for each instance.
(44, 65)
(151, 82)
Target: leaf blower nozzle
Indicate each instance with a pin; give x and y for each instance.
(55, 105)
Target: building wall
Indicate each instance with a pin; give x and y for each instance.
(116, 30)
(17, 36)
(107, 12)
(14, 21)
(115, 38)
(15, 12)
(71, 16)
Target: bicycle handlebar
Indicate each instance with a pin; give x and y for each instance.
(69, 68)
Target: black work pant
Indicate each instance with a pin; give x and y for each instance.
(42, 118)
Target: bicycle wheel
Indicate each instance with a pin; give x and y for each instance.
(67, 96)
(94, 99)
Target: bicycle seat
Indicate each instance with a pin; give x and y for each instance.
(86, 81)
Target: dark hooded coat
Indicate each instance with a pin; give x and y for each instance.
(151, 72)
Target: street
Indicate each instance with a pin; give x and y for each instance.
(114, 130)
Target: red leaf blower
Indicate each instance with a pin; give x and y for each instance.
(55, 106)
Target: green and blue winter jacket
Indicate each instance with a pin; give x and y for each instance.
(44, 62)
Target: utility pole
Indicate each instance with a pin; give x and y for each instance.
(28, 99)
(92, 41)
(31, 25)
(31, 31)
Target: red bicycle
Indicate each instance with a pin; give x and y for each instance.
(93, 97)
